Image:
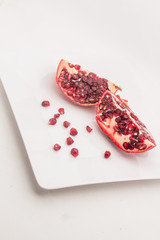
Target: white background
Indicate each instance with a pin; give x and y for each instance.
(127, 210)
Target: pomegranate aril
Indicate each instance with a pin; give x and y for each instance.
(45, 103)
(91, 75)
(124, 117)
(66, 124)
(109, 114)
(74, 152)
(85, 79)
(141, 146)
(101, 106)
(70, 65)
(57, 115)
(89, 129)
(75, 76)
(73, 132)
(124, 132)
(52, 121)
(69, 141)
(133, 139)
(107, 154)
(126, 145)
(131, 146)
(92, 100)
(94, 89)
(77, 67)
(80, 73)
(118, 119)
(61, 111)
(57, 147)
(117, 112)
(70, 93)
(81, 100)
(141, 138)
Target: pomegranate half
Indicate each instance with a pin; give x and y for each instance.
(124, 128)
(81, 86)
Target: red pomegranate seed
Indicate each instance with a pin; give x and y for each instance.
(107, 154)
(73, 132)
(52, 121)
(77, 67)
(57, 147)
(74, 152)
(89, 129)
(126, 145)
(69, 141)
(66, 124)
(56, 115)
(141, 138)
(61, 111)
(45, 103)
(70, 65)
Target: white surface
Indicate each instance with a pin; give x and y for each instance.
(59, 169)
(115, 211)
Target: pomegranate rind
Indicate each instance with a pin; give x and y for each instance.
(107, 127)
(64, 64)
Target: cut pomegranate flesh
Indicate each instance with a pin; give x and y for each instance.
(74, 152)
(107, 154)
(80, 86)
(69, 141)
(61, 111)
(73, 132)
(66, 124)
(57, 147)
(89, 129)
(45, 103)
(52, 121)
(124, 128)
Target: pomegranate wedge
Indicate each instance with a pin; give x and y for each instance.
(124, 128)
(81, 86)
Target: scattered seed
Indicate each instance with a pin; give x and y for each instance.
(57, 147)
(61, 111)
(89, 129)
(57, 115)
(45, 103)
(69, 141)
(107, 154)
(74, 152)
(52, 121)
(66, 124)
(77, 67)
(73, 132)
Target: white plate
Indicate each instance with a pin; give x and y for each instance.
(120, 43)
(59, 169)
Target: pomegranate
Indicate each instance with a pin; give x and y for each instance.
(89, 129)
(107, 154)
(61, 111)
(80, 86)
(124, 128)
(52, 121)
(74, 152)
(69, 141)
(57, 147)
(66, 124)
(57, 115)
(45, 103)
(73, 132)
